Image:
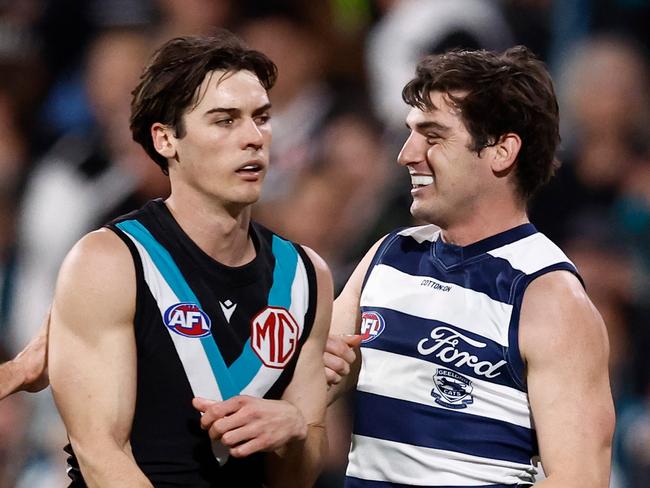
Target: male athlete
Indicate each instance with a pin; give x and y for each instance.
(481, 349)
(186, 340)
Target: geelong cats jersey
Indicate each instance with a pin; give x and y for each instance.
(441, 398)
(209, 330)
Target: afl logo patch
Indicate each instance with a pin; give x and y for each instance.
(188, 320)
(372, 324)
(274, 336)
(451, 390)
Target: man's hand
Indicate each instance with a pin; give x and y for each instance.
(248, 424)
(31, 362)
(339, 355)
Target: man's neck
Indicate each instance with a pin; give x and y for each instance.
(483, 225)
(221, 234)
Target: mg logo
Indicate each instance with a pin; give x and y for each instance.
(274, 336)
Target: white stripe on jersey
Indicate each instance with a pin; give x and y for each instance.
(531, 253)
(381, 460)
(190, 351)
(461, 307)
(383, 373)
(422, 233)
(266, 376)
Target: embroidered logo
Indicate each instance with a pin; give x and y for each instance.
(451, 390)
(372, 324)
(188, 320)
(274, 336)
(228, 308)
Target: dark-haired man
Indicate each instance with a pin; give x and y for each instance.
(184, 316)
(481, 349)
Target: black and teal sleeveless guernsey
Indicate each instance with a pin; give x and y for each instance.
(441, 399)
(208, 330)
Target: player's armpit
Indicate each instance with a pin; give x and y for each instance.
(93, 358)
(564, 345)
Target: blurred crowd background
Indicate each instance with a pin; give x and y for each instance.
(67, 162)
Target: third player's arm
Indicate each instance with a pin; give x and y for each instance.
(93, 358)
(564, 344)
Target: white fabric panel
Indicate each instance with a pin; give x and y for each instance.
(380, 460)
(405, 378)
(190, 350)
(531, 253)
(467, 309)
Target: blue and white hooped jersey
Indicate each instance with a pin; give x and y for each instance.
(441, 398)
(204, 329)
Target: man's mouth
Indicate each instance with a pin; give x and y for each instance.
(250, 168)
(418, 181)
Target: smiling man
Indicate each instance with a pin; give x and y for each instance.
(481, 350)
(186, 340)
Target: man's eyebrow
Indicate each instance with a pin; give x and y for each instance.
(430, 124)
(235, 112)
(264, 108)
(223, 110)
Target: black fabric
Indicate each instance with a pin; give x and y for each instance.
(166, 439)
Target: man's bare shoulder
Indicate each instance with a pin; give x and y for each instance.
(558, 313)
(97, 276)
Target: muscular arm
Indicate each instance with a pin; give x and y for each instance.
(341, 362)
(564, 344)
(93, 358)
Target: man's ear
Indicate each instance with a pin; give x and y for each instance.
(164, 140)
(505, 152)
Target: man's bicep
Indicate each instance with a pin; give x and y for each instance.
(565, 350)
(92, 347)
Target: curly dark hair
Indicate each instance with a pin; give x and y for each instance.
(169, 83)
(497, 94)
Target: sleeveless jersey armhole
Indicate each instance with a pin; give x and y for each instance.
(515, 361)
(139, 274)
(383, 247)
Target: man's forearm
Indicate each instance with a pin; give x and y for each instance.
(299, 462)
(110, 467)
(12, 378)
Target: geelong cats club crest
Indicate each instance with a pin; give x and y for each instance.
(451, 390)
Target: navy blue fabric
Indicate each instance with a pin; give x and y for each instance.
(450, 430)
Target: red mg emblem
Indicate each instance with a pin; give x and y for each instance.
(274, 336)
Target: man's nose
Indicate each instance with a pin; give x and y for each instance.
(252, 135)
(412, 151)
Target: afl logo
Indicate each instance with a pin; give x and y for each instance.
(274, 336)
(188, 320)
(372, 324)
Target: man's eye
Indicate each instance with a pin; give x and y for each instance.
(262, 119)
(224, 122)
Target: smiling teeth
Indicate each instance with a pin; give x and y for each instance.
(419, 180)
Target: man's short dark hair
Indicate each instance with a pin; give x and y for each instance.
(168, 86)
(497, 94)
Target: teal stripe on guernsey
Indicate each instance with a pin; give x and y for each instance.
(168, 269)
(286, 261)
(248, 364)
